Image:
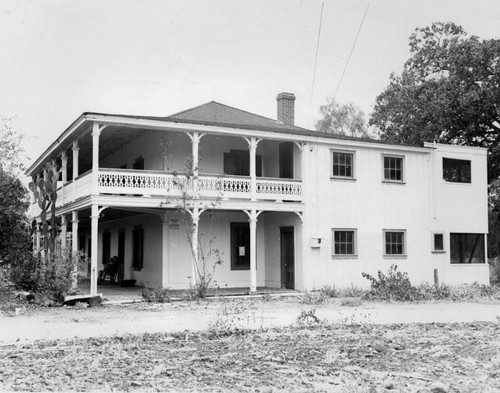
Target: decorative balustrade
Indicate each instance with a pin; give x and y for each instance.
(151, 183)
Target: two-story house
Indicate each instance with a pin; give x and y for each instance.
(282, 206)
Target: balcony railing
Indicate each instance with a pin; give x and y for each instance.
(129, 182)
(155, 183)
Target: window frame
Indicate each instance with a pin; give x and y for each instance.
(403, 168)
(433, 239)
(456, 160)
(483, 248)
(404, 245)
(353, 164)
(354, 244)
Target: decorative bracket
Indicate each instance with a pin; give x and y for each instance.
(253, 215)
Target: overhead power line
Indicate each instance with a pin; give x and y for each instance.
(352, 50)
(315, 61)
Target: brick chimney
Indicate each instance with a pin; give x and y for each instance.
(286, 108)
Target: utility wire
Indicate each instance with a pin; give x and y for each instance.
(352, 50)
(315, 62)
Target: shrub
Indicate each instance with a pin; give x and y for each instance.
(48, 278)
(157, 294)
(328, 291)
(393, 286)
(313, 298)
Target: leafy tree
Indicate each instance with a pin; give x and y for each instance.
(342, 119)
(11, 150)
(14, 228)
(449, 91)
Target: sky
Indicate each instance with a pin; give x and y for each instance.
(59, 58)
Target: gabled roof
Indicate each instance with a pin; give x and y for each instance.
(216, 114)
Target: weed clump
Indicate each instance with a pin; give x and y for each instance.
(157, 294)
(394, 285)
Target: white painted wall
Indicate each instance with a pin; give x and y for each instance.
(370, 205)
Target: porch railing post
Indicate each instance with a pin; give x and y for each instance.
(252, 218)
(74, 247)
(96, 131)
(94, 249)
(76, 151)
(64, 229)
(252, 145)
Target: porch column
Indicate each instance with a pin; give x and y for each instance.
(74, 247)
(252, 144)
(64, 230)
(195, 216)
(195, 142)
(38, 239)
(96, 131)
(76, 150)
(165, 260)
(93, 247)
(252, 218)
(64, 161)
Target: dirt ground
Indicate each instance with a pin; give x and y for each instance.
(370, 348)
(71, 322)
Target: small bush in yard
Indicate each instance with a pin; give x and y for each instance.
(50, 279)
(157, 294)
(313, 298)
(394, 285)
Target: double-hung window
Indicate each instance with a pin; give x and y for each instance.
(344, 242)
(342, 165)
(394, 242)
(393, 168)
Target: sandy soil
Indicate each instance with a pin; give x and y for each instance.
(71, 322)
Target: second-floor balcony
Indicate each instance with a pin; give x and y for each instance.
(143, 183)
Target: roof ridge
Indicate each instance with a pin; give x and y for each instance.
(190, 109)
(239, 110)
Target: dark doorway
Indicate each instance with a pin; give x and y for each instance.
(237, 162)
(286, 160)
(240, 246)
(287, 257)
(121, 253)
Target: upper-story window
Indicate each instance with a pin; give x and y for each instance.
(342, 164)
(456, 171)
(393, 168)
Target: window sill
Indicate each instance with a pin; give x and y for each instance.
(137, 269)
(342, 178)
(401, 183)
(438, 251)
(395, 256)
(469, 264)
(457, 183)
(346, 256)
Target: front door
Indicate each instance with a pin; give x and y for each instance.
(287, 257)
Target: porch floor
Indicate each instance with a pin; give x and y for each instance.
(116, 294)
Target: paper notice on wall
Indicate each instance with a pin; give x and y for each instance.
(241, 251)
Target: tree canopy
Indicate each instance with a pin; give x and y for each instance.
(14, 227)
(449, 92)
(342, 119)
